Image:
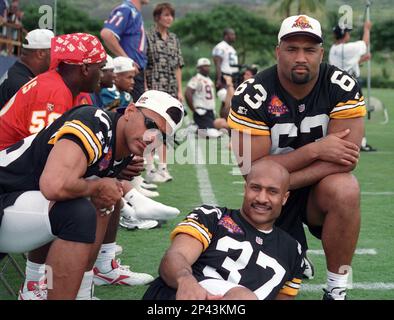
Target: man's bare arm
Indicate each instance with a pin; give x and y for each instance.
(62, 177)
(175, 267)
(112, 43)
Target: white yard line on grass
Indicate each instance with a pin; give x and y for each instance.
(204, 184)
(358, 252)
(356, 285)
(384, 193)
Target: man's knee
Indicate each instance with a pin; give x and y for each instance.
(74, 220)
(340, 189)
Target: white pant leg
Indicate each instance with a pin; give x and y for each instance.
(25, 225)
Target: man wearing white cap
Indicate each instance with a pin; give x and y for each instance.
(59, 200)
(308, 116)
(200, 97)
(35, 59)
(118, 97)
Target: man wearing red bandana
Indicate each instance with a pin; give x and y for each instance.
(76, 60)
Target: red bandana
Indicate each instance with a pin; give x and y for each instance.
(76, 48)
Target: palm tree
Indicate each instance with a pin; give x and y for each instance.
(302, 5)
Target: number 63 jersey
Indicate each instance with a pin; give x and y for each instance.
(235, 251)
(261, 106)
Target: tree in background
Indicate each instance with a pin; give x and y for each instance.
(254, 33)
(303, 6)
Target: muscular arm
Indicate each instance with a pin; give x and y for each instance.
(189, 98)
(175, 267)
(309, 163)
(62, 177)
(218, 63)
(320, 169)
(112, 43)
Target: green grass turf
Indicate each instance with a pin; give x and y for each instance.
(144, 249)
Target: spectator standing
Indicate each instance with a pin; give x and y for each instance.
(163, 72)
(200, 97)
(348, 56)
(225, 58)
(124, 35)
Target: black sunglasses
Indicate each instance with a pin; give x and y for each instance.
(149, 123)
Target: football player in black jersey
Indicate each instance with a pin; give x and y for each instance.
(220, 253)
(307, 116)
(60, 185)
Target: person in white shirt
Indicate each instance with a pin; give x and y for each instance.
(349, 55)
(346, 55)
(200, 97)
(225, 58)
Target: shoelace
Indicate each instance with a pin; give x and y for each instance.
(122, 267)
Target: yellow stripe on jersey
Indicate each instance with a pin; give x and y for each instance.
(247, 127)
(355, 112)
(353, 108)
(292, 287)
(350, 102)
(85, 134)
(288, 291)
(236, 115)
(194, 229)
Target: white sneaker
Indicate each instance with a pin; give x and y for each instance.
(137, 184)
(155, 177)
(118, 250)
(140, 181)
(165, 174)
(35, 291)
(146, 208)
(128, 219)
(137, 224)
(120, 275)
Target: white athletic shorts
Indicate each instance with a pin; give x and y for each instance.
(25, 225)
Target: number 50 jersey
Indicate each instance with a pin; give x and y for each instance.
(235, 251)
(261, 106)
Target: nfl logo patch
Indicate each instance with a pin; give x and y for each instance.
(50, 107)
(259, 240)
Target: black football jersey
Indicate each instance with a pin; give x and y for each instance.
(235, 251)
(261, 106)
(91, 128)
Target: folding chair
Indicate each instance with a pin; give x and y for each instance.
(7, 260)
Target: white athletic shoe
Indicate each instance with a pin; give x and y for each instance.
(165, 174)
(35, 291)
(120, 275)
(137, 224)
(138, 180)
(118, 250)
(309, 272)
(137, 184)
(155, 177)
(129, 219)
(146, 208)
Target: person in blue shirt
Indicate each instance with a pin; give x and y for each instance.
(124, 35)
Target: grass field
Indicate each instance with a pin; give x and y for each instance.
(372, 273)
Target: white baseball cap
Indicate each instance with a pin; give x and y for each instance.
(165, 105)
(203, 62)
(300, 25)
(110, 63)
(38, 39)
(123, 64)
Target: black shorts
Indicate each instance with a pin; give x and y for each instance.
(205, 121)
(139, 86)
(294, 215)
(158, 290)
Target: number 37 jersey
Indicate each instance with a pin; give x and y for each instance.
(261, 106)
(234, 251)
